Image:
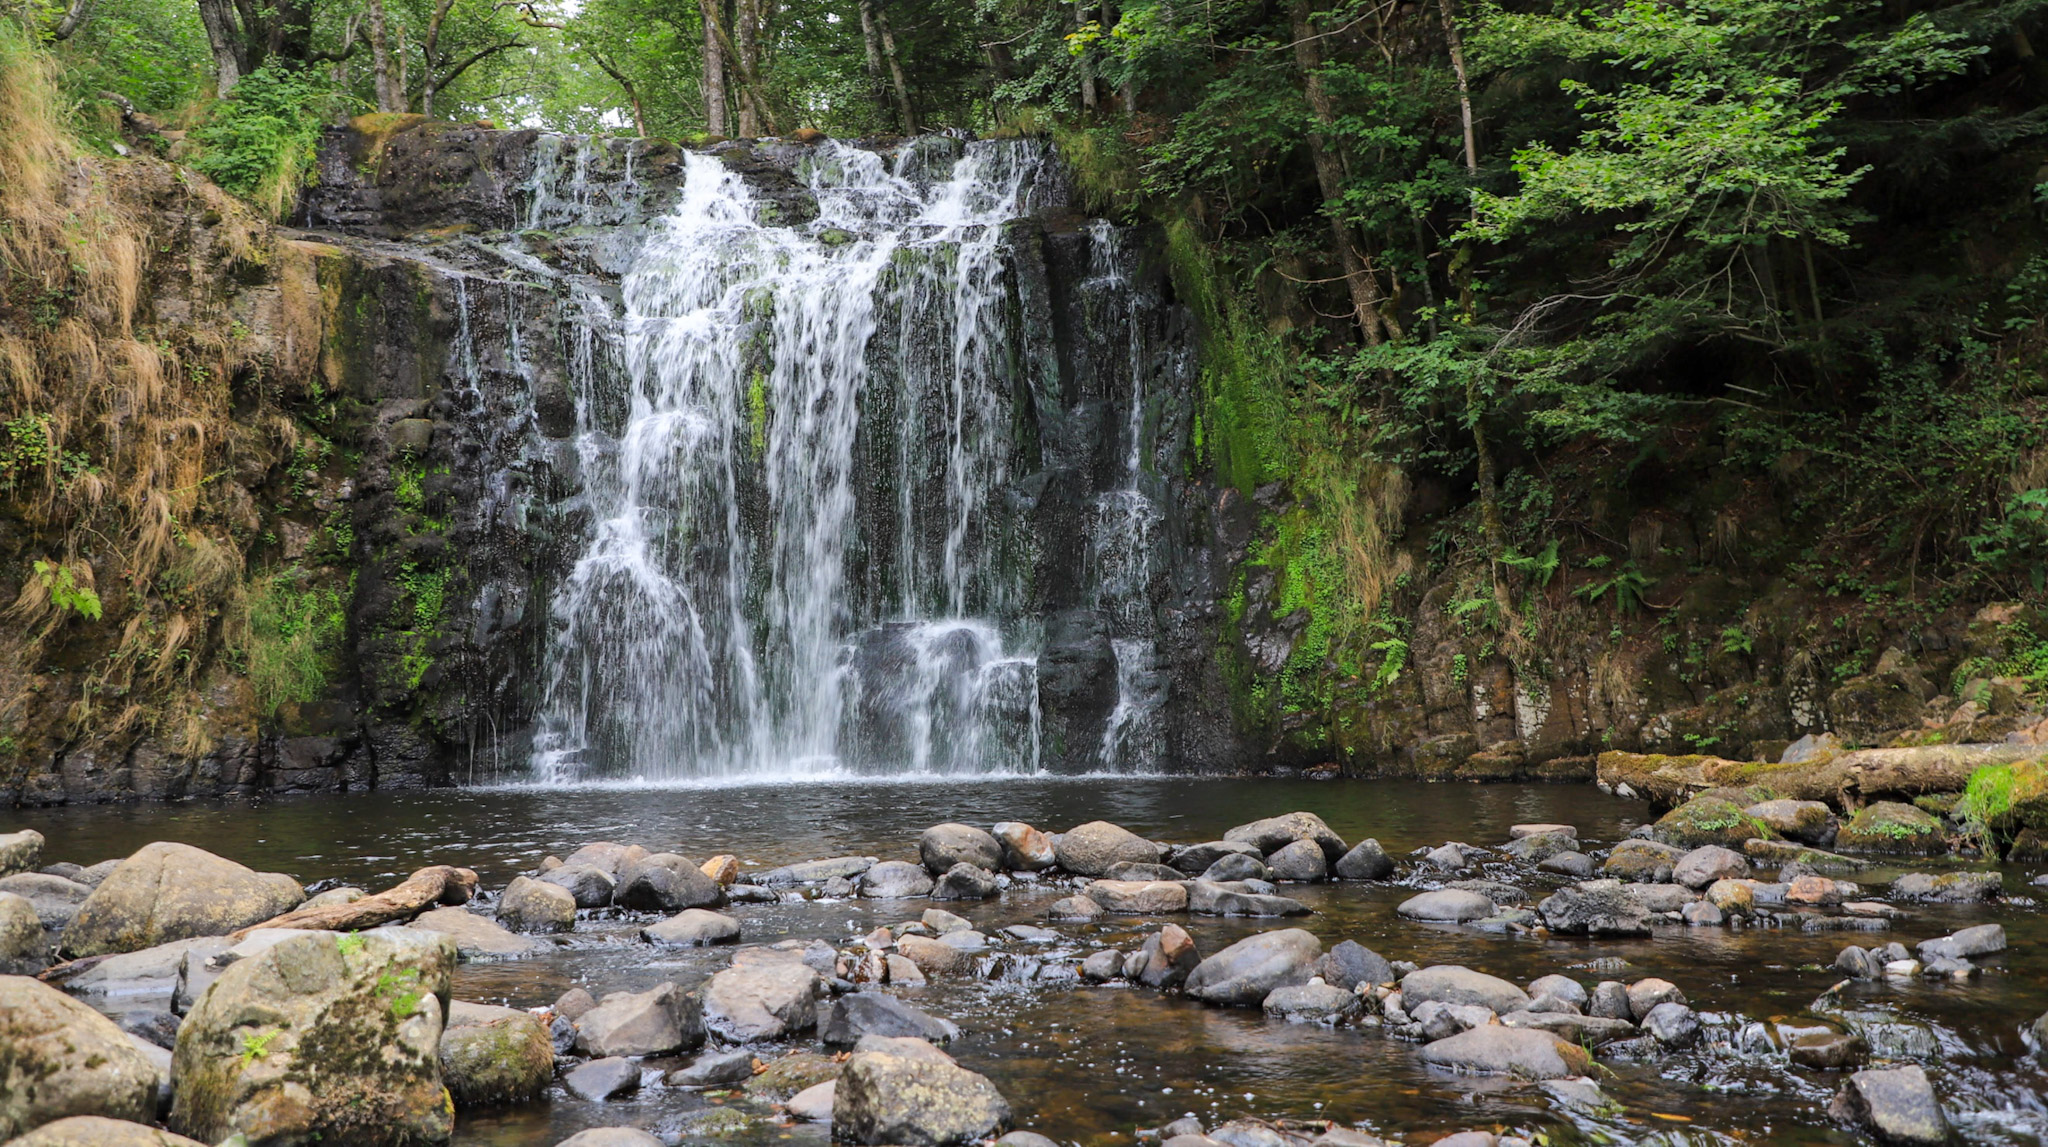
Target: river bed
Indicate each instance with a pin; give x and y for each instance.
(1093, 1064)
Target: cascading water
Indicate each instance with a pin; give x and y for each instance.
(794, 564)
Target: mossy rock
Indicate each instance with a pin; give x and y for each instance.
(1937, 804)
(1891, 827)
(1711, 818)
(793, 1073)
(505, 1061)
(2008, 798)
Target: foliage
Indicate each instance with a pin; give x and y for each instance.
(259, 142)
(65, 591)
(294, 639)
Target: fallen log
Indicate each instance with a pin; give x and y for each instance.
(1847, 781)
(427, 888)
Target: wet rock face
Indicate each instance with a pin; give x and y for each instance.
(321, 1037)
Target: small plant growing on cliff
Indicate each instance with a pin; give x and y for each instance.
(259, 142)
(64, 592)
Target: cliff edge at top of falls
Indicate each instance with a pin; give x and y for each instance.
(373, 487)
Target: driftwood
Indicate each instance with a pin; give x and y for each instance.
(1846, 781)
(427, 888)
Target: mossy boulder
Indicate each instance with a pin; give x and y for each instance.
(492, 1056)
(1892, 827)
(59, 1057)
(321, 1038)
(2009, 798)
(1711, 818)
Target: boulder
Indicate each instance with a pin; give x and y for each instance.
(1457, 984)
(1595, 908)
(1150, 898)
(666, 882)
(1641, 861)
(1090, 849)
(1208, 898)
(933, 957)
(606, 855)
(942, 846)
(98, 1131)
(1140, 871)
(819, 871)
(1025, 849)
(1967, 944)
(1104, 966)
(588, 885)
(23, 948)
(1829, 1051)
(1446, 906)
(1165, 960)
(1609, 1000)
(1672, 1024)
(1246, 972)
(530, 905)
(692, 928)
(477, 937)
(1562, 988)
(792, 1073)
(1948, 888)
(895, 880)
(765, 995)
(1073, 908)
(1576, 865)
(20, 851)
(1644, 995)
(321, 1037)
(1524, 1053)
(56, 899)
(1348, 964)
(1897, 1104)
(1892, 828)
(1276, 832)
(168, 891)
(1709, 818)
(1194, 859)
(1702, 866)
(1732, 895)
(1808, 822)
(59, 1058)
(714, 1069)
(1314, 1002)
(1536, 848)
(1238, 866)
(603, 1079)
(1303, 862)
(1366, 861)
(814, 1103)
(661, 1019)
(860, 1014)
(965, 881)
(913, 1101)
(1446, 857)
(494, 1056)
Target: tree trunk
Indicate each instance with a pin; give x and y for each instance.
(1847, 781)
(224, 37)
(871, 39)
(1363, 285)
(1457, 48)
(896, 81)
(427, 888)
(714, 70)
(390, 86)
(74, 15)
(747, 33)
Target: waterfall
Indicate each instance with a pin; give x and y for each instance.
(795, 562)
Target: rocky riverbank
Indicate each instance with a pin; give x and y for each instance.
(214, 999)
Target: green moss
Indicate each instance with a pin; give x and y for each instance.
(757, 411)
(293, 638)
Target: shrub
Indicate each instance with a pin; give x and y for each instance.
(259, 142)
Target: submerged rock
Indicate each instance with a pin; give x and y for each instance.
(321, 1037)
(59, 1057)
(168, 891)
